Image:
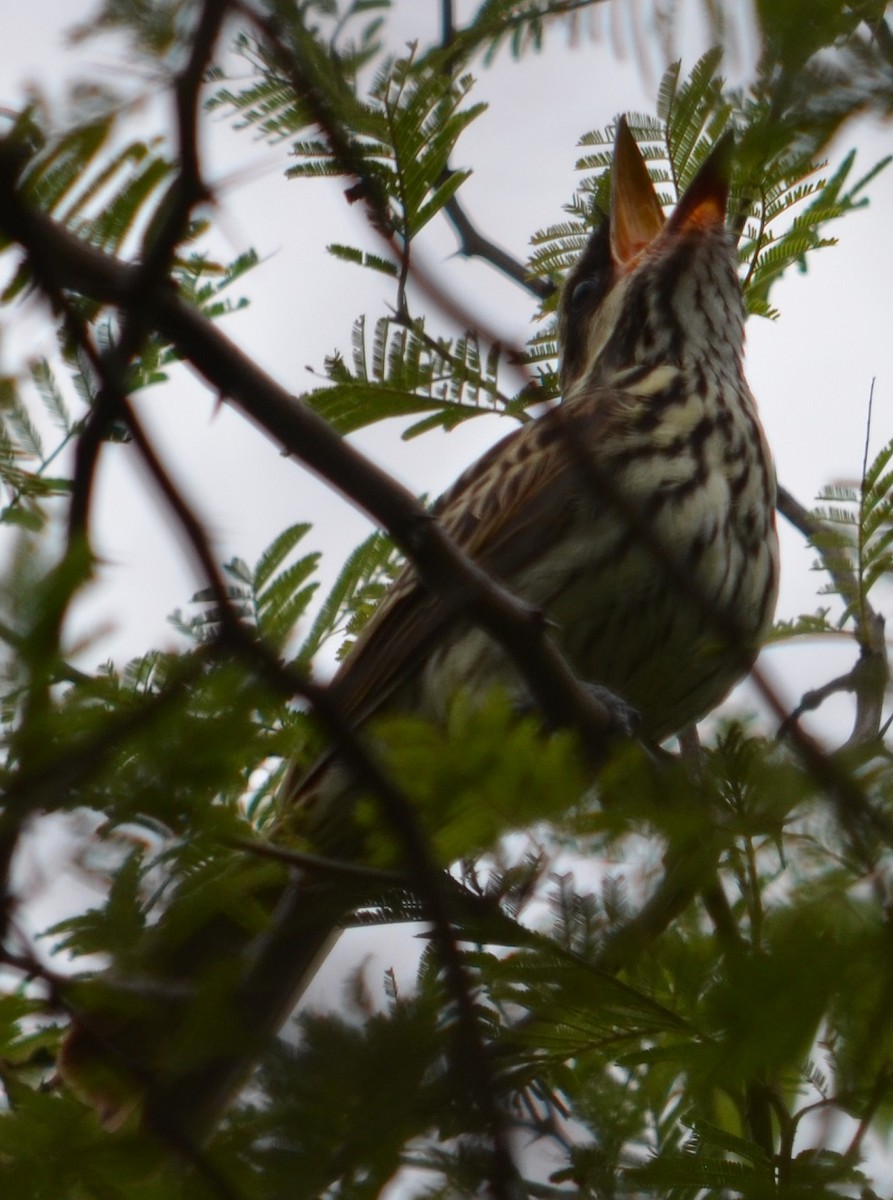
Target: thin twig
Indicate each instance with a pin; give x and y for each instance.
(331, 868)
(473, 244)
(880, 1091)
(816, 697)
(871, 673)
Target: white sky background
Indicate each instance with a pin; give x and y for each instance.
(811, 370)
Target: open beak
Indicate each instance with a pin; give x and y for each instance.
(636, 215)
(637, 218)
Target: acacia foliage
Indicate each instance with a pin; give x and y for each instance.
(721, 1026)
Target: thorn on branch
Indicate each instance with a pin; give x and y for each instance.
(473, 244)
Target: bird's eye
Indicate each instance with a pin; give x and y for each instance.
(587, 291)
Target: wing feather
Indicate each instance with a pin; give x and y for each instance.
(507, 509)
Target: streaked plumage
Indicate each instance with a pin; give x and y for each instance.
(638, 515)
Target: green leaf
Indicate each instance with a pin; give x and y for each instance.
(353, 597)
(50, 394)
(363, 258)
(276, 554)
(401, 372)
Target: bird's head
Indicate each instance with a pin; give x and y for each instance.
(650, 291)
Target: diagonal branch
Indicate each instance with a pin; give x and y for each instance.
(473, 244)
(180, 1111)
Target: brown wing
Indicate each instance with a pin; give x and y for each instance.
(504, 511)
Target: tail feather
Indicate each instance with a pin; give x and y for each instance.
(156, 1045)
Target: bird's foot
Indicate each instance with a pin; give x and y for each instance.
(620, 718)
(624, 720)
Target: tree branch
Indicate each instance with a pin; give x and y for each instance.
(473, 244)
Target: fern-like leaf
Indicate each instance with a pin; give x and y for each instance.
(400, 372)
(353, 597)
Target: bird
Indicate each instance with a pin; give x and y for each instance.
(637, 514)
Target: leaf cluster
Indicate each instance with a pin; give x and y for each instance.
(113, 197)
(858, 533)
(401, 372)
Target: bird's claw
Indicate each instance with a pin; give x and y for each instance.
(623, 718)
(620, 718)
